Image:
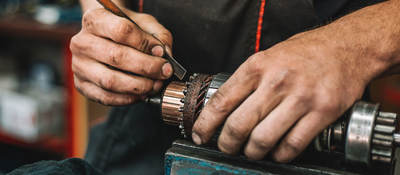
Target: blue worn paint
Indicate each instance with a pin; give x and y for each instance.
(209, 167)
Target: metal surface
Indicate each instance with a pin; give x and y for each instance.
(184, 158)
(172, 103)
(359, 132)
(179, 70)
(216, 82)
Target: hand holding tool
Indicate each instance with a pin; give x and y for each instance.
(179, 70)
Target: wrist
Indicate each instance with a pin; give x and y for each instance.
(363, 65)
(366, 58)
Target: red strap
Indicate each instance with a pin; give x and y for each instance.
(259, 26)
(140, 6)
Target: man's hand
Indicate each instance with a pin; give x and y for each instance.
(281, 98)
(107, 43)
(287, 91)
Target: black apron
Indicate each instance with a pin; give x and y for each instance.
(213, 36)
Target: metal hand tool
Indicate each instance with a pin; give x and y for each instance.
(179, 70)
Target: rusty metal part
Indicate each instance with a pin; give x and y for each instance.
(193, 101)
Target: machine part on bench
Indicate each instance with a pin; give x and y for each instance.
(184, 157)
(364, 134)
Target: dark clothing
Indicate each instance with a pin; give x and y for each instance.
(210, 36)
(71, 166)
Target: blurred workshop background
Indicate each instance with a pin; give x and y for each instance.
(42, 116)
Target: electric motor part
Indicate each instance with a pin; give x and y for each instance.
(172, 103)
(364, 134)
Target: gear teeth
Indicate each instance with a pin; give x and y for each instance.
(384, 129)
(381, 159)
(172, 104)
(384, 138)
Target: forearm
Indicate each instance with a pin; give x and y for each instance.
(369, 37)
(89, 4)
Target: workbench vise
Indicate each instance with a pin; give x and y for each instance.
(363, 141)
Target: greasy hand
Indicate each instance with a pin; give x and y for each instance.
(106, 42)
(280, 99)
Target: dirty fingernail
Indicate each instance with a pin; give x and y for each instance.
(157, 51)
(196, 138)
(167, 70)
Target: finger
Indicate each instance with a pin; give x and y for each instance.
(267, 133)
(102, 96)
(221, 104)
(105, 24)
(300, 136)
(112, 80)
(150, 24)
(241, 122)
(121, 57)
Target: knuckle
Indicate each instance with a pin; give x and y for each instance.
(147, 86)
(108, 99)
(280, 78)
(254, 153)
(116, 54)
(149, 68)
(236, 130)
(77, 83)
(75, 44)
(104, 99)
(253, 66)
(328, 104)
(77, 67)
(219, 102)
(143, 87)
(74, 64)
(107, 82)
(251, 156)
(261, 142)
(121, 30)
(225, 148)
(88, 18)
(293, 144)
(301, 101)
(166, 37)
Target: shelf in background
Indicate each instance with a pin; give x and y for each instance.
(76, 129)
(24, 27)
(55, 145)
